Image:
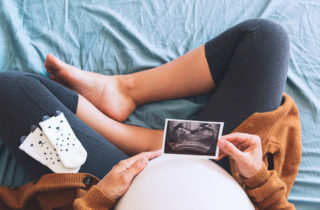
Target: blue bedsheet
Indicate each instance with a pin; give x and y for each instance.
(124, 36)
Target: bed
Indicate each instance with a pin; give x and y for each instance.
(123, 36)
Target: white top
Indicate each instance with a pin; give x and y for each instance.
(172, 183)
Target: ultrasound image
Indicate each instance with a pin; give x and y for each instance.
(191, 137)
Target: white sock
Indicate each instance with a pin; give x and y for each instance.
(63, 139)
(38, 147)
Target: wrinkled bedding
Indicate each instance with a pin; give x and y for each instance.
(124, 36)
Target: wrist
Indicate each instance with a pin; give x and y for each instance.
(258, 179)
(97, 199)
(254, 170)
(105, 191)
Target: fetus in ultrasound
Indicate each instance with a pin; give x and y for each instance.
(191, 137)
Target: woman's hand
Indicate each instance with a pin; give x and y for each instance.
(245, 149)
(118, 180)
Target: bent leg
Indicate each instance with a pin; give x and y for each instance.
(249, 64)
(188, 75)
(25, 98)
(130, 139)
(117, 96)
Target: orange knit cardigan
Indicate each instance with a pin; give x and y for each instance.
(279, 131)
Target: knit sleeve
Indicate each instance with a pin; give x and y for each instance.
(267, 191)
(93, 199)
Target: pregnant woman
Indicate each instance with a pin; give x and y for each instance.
(245, 71)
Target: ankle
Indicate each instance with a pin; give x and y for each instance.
(128, 84)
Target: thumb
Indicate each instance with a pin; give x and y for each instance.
(230, 149)
(137, 167)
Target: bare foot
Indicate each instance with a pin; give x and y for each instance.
(107, 93)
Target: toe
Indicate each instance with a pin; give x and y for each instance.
(52, 77)
(50, 66)
(49, 70)
(53, 63)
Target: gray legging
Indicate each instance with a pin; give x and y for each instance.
(248, 63)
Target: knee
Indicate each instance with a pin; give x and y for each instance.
(9, 83)
(273, 28)
(7, 78)
(11, 77)
(270, 31)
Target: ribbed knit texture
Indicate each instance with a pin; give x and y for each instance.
(258, 180)
(280, 135)
(95, 199)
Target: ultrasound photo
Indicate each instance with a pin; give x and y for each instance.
(192, 138)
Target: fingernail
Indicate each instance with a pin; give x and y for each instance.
(33, 128)
(58, 112)
(45, 117)
(143, 161)
(22, 139)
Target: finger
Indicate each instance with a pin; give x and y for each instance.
(221, 156)
(153, 154)
(230, 149)
(237, 137)
(241, 146)
(136, 168)
(149, 155)
(236, 144)
(242, 140)
(221, 153)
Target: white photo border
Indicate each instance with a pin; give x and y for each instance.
(191, 156)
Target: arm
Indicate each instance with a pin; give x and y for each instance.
(115, 183)
(264, 187)
(267, 191)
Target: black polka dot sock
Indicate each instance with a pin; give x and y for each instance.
(39, 147)
(61, 136)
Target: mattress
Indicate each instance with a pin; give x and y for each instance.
(124, 36)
